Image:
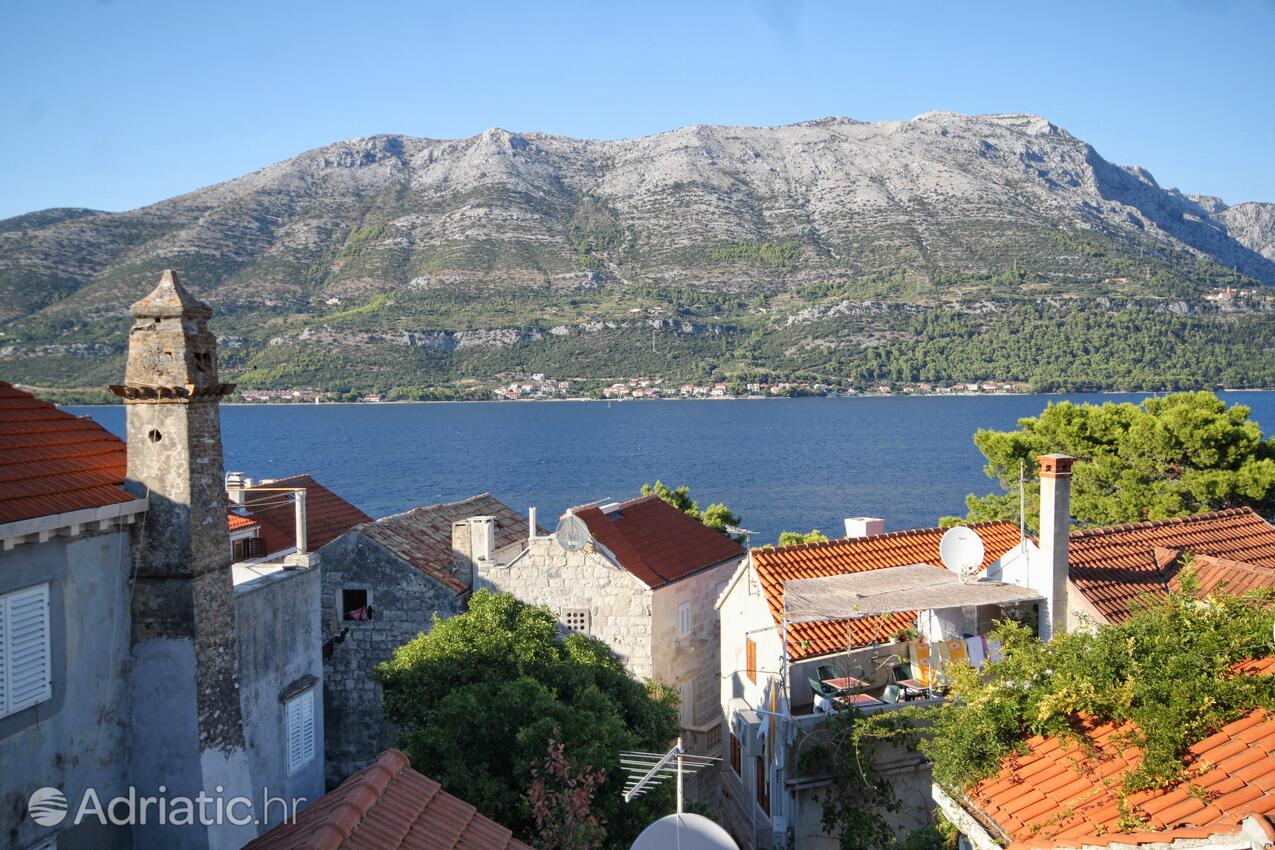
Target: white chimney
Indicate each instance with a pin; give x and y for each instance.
(864, 526)
(299, 497)
(235, 482)
(482, 536)
(531, 525)
(1055, 532)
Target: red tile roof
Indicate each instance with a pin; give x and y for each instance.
(239, 523)
(328, 516)
(1062, 793)
(1114, 566)
(423, 536)
(840, 557)
(388, 806)
(52, 462)
(656, 542)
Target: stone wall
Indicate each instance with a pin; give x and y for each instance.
(619, 606)
(404, 602)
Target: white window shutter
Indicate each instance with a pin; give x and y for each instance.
(684, 619)
(4, 657)
(27, 664)
(299, 712)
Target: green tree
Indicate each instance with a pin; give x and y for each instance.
(479, 698)
(716, 516)
(1181, 454)
(794, 538)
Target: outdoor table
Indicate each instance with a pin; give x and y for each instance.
(859, 700)
(846, 683)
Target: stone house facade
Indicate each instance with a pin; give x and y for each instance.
(642, 577)
(384, 582)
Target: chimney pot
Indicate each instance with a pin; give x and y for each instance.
(864, 526)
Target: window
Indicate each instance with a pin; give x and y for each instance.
(763, 785)
(750, 659)
(247, 547)
(686, 705)
(356, 603)
(26, 669)
(299, 712)
(684, 619)
(577, 620)
(736, 755)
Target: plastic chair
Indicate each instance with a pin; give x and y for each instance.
(900, 672)
(826, 671)
(891, 693)
(820, 688)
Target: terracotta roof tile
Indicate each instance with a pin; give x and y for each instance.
(423, 536)
(239, 523)
(839, 557)
(328, 516)
(53, 462)
(1072, 800)
(388, 806)
(656, 542)
(1115, 566)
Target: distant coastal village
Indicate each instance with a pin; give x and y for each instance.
(542, 387)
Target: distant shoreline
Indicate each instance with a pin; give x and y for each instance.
(717, 399)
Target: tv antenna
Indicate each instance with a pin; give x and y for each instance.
(646, 770)
(736, 531)
(961, 550)
(572, 534)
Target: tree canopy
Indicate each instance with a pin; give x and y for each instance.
(716, 516)
(793, 538)
(1176, 455)
(481, 695)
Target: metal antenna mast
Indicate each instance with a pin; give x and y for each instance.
(646, 770)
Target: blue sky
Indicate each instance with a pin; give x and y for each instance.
(122, 103)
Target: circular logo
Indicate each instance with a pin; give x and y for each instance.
(47, 806)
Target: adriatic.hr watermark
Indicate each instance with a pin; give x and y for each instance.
(49, 807)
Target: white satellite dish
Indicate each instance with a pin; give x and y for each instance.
(686, 831)
(962, 551)
(572, 533)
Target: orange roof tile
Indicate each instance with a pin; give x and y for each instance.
(1115, 566)
(1060, 792)
(840, 557)
(328, 516)
(655, 541)
(52, 462)
(239, 523)
(388, 806)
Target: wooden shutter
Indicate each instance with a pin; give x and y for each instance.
(750, 659)
(300, 721)
(763, 785)
(25, 663)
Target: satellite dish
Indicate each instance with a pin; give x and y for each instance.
(962, 551)
(572, 533)
(687, 831)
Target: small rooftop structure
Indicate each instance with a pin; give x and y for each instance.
(916, 587)
(654, 541)
(388, 806)
(823, 636)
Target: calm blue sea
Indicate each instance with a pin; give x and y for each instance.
(782, 464)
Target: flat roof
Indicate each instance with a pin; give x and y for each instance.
(916, 587)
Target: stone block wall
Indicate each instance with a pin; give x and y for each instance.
(404, 602)
(619, 605)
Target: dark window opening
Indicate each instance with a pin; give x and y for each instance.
(356, 604)
(247, 548)
(736, 751)
(763, 785)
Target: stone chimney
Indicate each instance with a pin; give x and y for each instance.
(1055, 531)
(482, 531)
(187, 726)
(463, 553)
